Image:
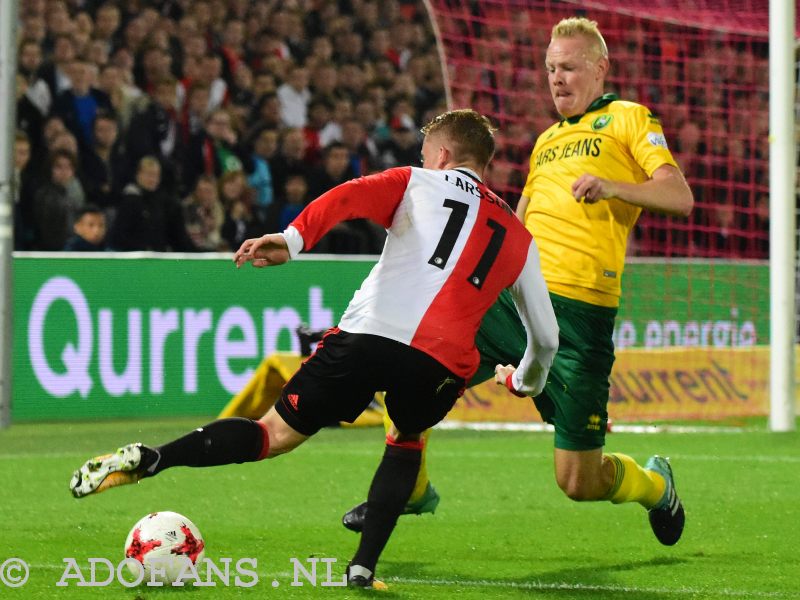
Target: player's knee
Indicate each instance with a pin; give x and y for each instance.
(407, 437)
(394, 437)
(282, 438)
(577, 489)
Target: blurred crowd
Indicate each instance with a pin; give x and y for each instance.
(191, 125)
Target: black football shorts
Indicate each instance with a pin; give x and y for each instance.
(341, 378)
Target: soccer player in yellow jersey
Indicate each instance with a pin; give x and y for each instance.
(591, 174)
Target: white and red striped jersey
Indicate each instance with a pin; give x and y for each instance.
(452, 247)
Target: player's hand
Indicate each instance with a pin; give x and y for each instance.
(590, 189)
(267, 251)
(501, 373)
(502, 376)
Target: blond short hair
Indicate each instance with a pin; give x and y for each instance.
(575, 26)
(471, 134)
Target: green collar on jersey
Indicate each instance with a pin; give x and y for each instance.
(598, 103)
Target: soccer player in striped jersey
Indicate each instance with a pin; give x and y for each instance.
(590, 176)
(452, 247)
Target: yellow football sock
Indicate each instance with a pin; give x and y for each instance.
(633, 483)
(422, 478)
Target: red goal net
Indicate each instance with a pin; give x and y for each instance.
(701, 67)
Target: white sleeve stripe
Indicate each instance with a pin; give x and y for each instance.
(294, 241)
(532, 300)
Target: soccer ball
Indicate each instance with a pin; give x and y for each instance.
(163, 542)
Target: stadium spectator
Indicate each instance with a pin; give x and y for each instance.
(319, 131)
(152, 65)
(210, 73)
(334, 170)
(294, 97)
(321, 52)
(54, 71)
(571, 198)
(124, 97)
(362, 150)
(23, 193)
(426, 88)
(134, 35)
(232, 48)
(342, 111)
(79, 105)
(51, 129)
(241, 92)
(347, 237)
(422, 363)
(107, 22)
(264, 83)
(293, 201)
(148, 216)
(30, 119)
(266, 115)
(193, 46)
(195, 111)
(402, 148)
(29, 63)
(324, 82)
(64, 140)
(204, 216)
(97, 54)
(264, 149)
(104, 165)
(216, 149)
(89, 231)
(34, 28)
(58, 18)
(375, 121)
(241, 219)
(155, 131)
(57, 202)
(352, 81)
(291, 158)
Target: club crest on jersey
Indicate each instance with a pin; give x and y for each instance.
(602, 122)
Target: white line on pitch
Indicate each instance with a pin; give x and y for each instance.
(582, 587)
(621, 428)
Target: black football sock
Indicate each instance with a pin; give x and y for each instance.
(390, 490)
(226, 441)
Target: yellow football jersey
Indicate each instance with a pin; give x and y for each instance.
(582, 245)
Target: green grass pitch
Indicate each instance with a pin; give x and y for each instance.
(502, 530)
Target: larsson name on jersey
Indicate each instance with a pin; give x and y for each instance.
(471, 188)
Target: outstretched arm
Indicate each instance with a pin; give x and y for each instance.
(374, 197)
(666, 192)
